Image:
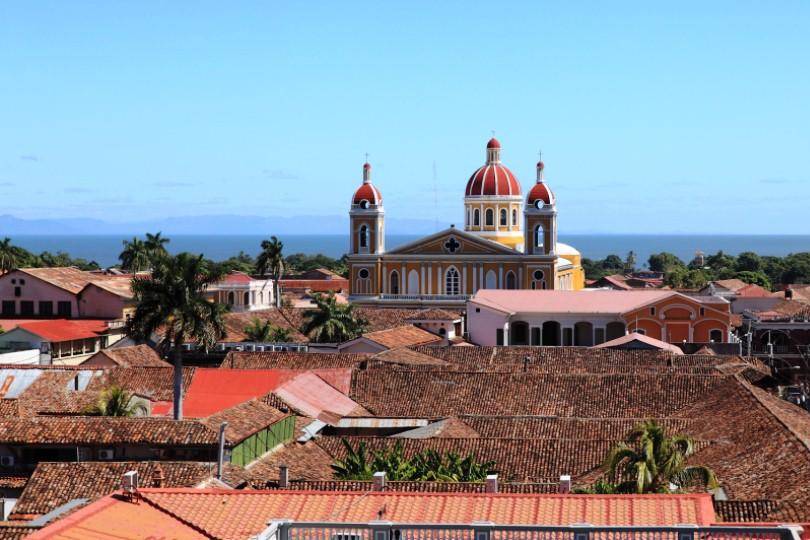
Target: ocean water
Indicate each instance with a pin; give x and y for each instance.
(105, 249)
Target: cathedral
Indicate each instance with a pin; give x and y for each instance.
(507, 242)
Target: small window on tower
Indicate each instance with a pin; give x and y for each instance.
(490, 217)
(363, 236)
(364, 204)
(477, 217)
(363, 273)
(514, 217)
(503, 218)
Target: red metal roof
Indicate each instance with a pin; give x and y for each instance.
(493, 143)
(243, 514)
(56, 330)
(492, 179)
(540, 191)
(237, 277)
(367, 192)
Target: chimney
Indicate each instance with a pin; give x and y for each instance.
(788, 293)
(129, 483)
(565, 484)
(492, 483)
(283, 476)
(379, 481)
(157, 476)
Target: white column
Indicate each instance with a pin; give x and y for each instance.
(474, 278)
(422, 279)
(520, 278)
(402, 289)
(430, 279)
(440, 281)
(500, 276)
(506, 333)
(384, 285)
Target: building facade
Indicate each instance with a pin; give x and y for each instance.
(507, 242)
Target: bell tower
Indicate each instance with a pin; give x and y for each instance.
(540, 215)
(367, 218)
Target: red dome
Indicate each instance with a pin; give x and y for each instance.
(541, 192)
(367, 192)
(493, 143)
(492, 179)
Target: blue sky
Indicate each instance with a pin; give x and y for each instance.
(652, 117)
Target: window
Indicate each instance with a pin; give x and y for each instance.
(451, 281)
(363, 273)
(702, 311)
(511, 281)
(363, 285)
(17, 292)
(499, 337)
(394, 282)
(538, 237)
(716, 336)
(538, 280)
(45, 308)
(514, 217)
(8, 308)
(64, 309)
(231, 298)
(364, 204)
(477, 217)
(652, 311)
(26, 307)
(442, 331)
(363, 236)
(490, 217)
(504, 223)
(246, 299)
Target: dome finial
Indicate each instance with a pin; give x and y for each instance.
(540, 166)
(366, 171)
(493, 150)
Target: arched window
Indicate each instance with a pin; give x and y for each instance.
(490, 217)
(394, 289)
(451, 281)
(363, 283)
(504, 223)
(246, 299)
(538, 239)
(231, 298)
(716, 336)
(363, 236)
(491, 280)
(511, 280)
(476, 217)
(514, 217)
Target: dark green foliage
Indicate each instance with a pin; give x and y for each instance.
(612, 264)
(425, 466)
(664, 262)
(172, 302)
(299, 262)
(330, 322)
(266, 332)
(652, 462)
(116, 401)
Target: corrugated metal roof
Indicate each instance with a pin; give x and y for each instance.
(382, 422)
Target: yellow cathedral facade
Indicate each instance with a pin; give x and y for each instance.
(508, 242)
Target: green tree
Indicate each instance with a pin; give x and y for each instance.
(242, 262)
(8, 256)
(630, 262)
(135, 256)
(271, 261)
(172, 301)
(797, 268)
(652, 462)
(720, 260)
(664, 262)
(756, 278)
(748, 261)
(155, 245)
(266, 332)
(428, 465)
(116, 401)
(330, 322)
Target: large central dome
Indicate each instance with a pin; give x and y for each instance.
(493, 179)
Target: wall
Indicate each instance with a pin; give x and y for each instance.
(95, 302)
(482, 323)
(678, 318)
(34, 290)
(263, 441)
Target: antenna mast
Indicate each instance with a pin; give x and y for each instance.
(435, 199)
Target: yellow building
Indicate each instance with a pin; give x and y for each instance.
(508, 242)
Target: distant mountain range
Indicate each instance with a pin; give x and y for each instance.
(212, 224)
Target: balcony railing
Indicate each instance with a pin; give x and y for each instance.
(383, 530)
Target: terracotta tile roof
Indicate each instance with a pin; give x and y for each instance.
(433, 393)
(730, 284)
(753, 291)
(409, 357)
(237, 277)
(118, 285)
(155, 383)
(401, 336)
(434, 314)
(136, 355)
(291, 360)
(385, 318)
(744, 511)
(99, 430)
(242, 514)
(556, 427)
(57, 330)
(235, 323)
(54, 484)
(244, 420)
(68, 278)
(10, 480)
(15, 530)
(306, 461)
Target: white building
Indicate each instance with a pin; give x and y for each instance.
(242, 292)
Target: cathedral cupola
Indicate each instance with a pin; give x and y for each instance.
(540, 195)
(367, 217)
(493, 201)
(367, 195)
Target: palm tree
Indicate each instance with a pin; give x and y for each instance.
(266, 332)
(651, 462)
(155, 245)
(172, 301)
(135, 256)
(331, 322)
(116, 401)
(8, 256)
(271, 261)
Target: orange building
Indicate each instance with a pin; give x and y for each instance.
(508, 242)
